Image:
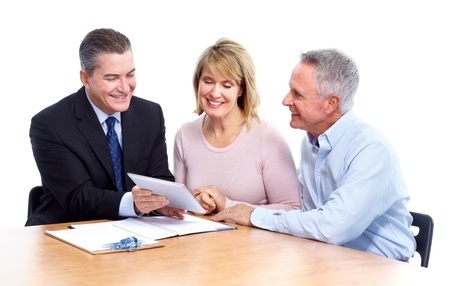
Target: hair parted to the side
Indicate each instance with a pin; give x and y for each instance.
(233, 61)
(101, 41)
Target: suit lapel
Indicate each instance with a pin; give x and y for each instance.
(92, 130)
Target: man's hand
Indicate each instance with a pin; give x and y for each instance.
(171, 211)
(240, 214)
(145, 201)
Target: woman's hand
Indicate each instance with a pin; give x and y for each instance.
(210, 198)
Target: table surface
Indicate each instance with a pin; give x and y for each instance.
(245, 256)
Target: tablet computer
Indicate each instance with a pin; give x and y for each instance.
(178, 194)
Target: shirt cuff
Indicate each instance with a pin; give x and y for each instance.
(263, 217)
(126, 208)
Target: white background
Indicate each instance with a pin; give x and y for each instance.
(401, 48)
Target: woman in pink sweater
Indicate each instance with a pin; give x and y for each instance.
(228, 155)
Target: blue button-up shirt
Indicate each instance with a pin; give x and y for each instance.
(352, 193)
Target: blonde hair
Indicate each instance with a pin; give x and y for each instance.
(234, 62)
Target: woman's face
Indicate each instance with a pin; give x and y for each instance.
(218, 95)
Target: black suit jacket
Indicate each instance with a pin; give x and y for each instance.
(73, 158)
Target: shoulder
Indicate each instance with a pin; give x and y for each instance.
(190, 134)
(266, 133)
(144, 110)
(369, 134)
(267, 129)
(64, 107)
(364, 139)
(141, 104)
(354, 132)
(190, 126)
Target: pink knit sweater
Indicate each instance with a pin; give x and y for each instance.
(256, 169)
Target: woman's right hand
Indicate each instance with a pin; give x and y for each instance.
(210, 198)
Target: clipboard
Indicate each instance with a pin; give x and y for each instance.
(178, 194)
(96, 240)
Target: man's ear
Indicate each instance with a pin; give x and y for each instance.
(84, 78)
(332, 103)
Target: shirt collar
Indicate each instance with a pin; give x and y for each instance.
(102, 116)
(330, 137)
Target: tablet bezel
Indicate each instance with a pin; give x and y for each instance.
(178, 194)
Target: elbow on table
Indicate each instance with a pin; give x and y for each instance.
(335, 237)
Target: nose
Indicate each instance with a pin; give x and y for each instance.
(123, 85)
(287, 100)
(215, 91)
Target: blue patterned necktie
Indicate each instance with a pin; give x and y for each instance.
(116, 151)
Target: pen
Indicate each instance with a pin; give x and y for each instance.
(129, 244)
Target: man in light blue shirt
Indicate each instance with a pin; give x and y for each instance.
(352, 189)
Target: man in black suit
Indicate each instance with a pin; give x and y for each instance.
(71, 148)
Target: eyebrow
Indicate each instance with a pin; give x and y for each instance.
(113, 74)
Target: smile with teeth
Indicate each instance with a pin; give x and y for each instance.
(215, 103)
(119, 96)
